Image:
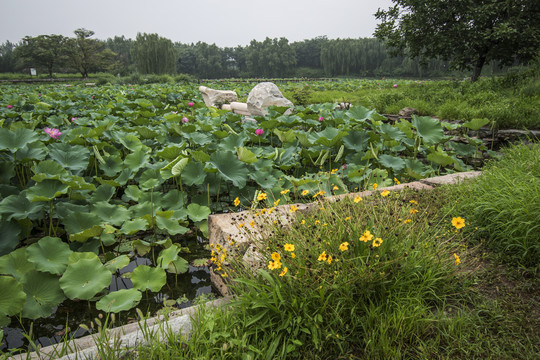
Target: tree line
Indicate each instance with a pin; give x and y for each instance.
(153, 54)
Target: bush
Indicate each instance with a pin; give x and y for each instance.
(504, 203)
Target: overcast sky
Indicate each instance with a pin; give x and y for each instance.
(223, 22)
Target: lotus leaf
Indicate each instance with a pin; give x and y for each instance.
(476, 124)
(118, 262)
(16, 264)
(112, 165)
(49, 169)
(230, 168)
(246, 156)
(133, 226)
(79, 255)
(136, 160)
(32, 151)
(171, 152)
(112, 214)
(10, 236)
(82, 226)
(428, 128)
(146, 277)
(46, 190)
(102, 193)
(50, 254)
(197, 212)
(179, 166)
(193, 174)
(84, 279)
(18, 207)
(178, 266)
(121, 300)
(393, 162)
(43, 294)
(440, 158)
(12, 298)
(15, 140)
(167, 255)
(72, 157)
(171, 225)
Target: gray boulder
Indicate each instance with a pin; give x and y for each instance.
(262, 96)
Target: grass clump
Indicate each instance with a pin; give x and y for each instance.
(504, 204)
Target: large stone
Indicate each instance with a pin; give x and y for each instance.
(262, 96)
(217, 98)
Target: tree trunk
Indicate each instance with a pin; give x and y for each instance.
(478, 67)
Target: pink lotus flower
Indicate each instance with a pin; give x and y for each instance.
(54, 133)
(185, 120)
(395, 85)
(259, 132)
(10, 106)
(190, 104)
(73, 119)
(321, 119)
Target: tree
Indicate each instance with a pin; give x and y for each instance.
(154, 54)
(468, 33)
(272, 57)
(122, 47)
(7, 58)
(89, 54)
(43, 51)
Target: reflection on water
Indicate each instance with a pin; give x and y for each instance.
(70, 314)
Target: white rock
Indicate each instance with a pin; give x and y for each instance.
(217, 98)
(264, 95)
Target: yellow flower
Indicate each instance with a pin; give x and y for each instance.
(303, 222)
(284, 271)
(396, 181)
(263, 211)
(329, 259)
(344, 246)
(236, 202)
(335, 188)
(458, 222)
(385, 193)
(288, 247)
(458, 261)
(317, 222)
(240, 225)
(375, 186)
(271, 210)
(252, 223)
(293, 208)
(261, 196)
(276, 203)
(319, 193)
(357, 199)
(322, 257)
(347, 218)
(284, 192)
(305, 192)
(377, 242)
(276, 264)
(413, 211)
(334, 171)
(414, 202)
(367, 236)
(407, 221)
(293, 255)
(276, 256)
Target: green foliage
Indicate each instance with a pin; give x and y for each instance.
(504, 204)
(154, 54)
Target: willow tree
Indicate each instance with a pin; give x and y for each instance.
(272, 57)
(154, 54)
(467, 33)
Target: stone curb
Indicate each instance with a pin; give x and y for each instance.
(126, 336)
(224, 230)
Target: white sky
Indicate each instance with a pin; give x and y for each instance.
(225, 23)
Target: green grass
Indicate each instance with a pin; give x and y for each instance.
(504, 204)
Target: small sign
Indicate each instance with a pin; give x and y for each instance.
(33, 72)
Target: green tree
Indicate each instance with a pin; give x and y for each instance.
(43, 52)
(122, 47)
(467, 33)
(154, 54)
(88, 55)
(272, 57)
(7, 59)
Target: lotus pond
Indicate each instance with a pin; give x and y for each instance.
(94, 178)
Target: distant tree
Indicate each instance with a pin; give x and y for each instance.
(209, 60)
(44, 51)
(88, 55)
(122, 47)
(272, 57)
(7, 59)
(187, 58)
(154, 54)
(466, 33)
(308, 52)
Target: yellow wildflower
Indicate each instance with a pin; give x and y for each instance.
(252, 223)
(236, 202)
(317, 222)
(377, 242)
(261, 196)
(344, 246)
(347, 218)
(367, 236)
(334, 171)
(335, 188)
(288, 247)
(385, 193)
(396, 181)
(263, 211)
(458, 222)
(413, 211)
(375, 186)
(293, 255)
(457, 261)
(329, 260)
(357, 199)
(305, 192)
(271, 210)
(284, 192)
(414, 202)
(293, 208)
(276, 256)
(284, 271)
(322, 257)
(241, 225)
(407, 221)
(303, 222)
(276, 203)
